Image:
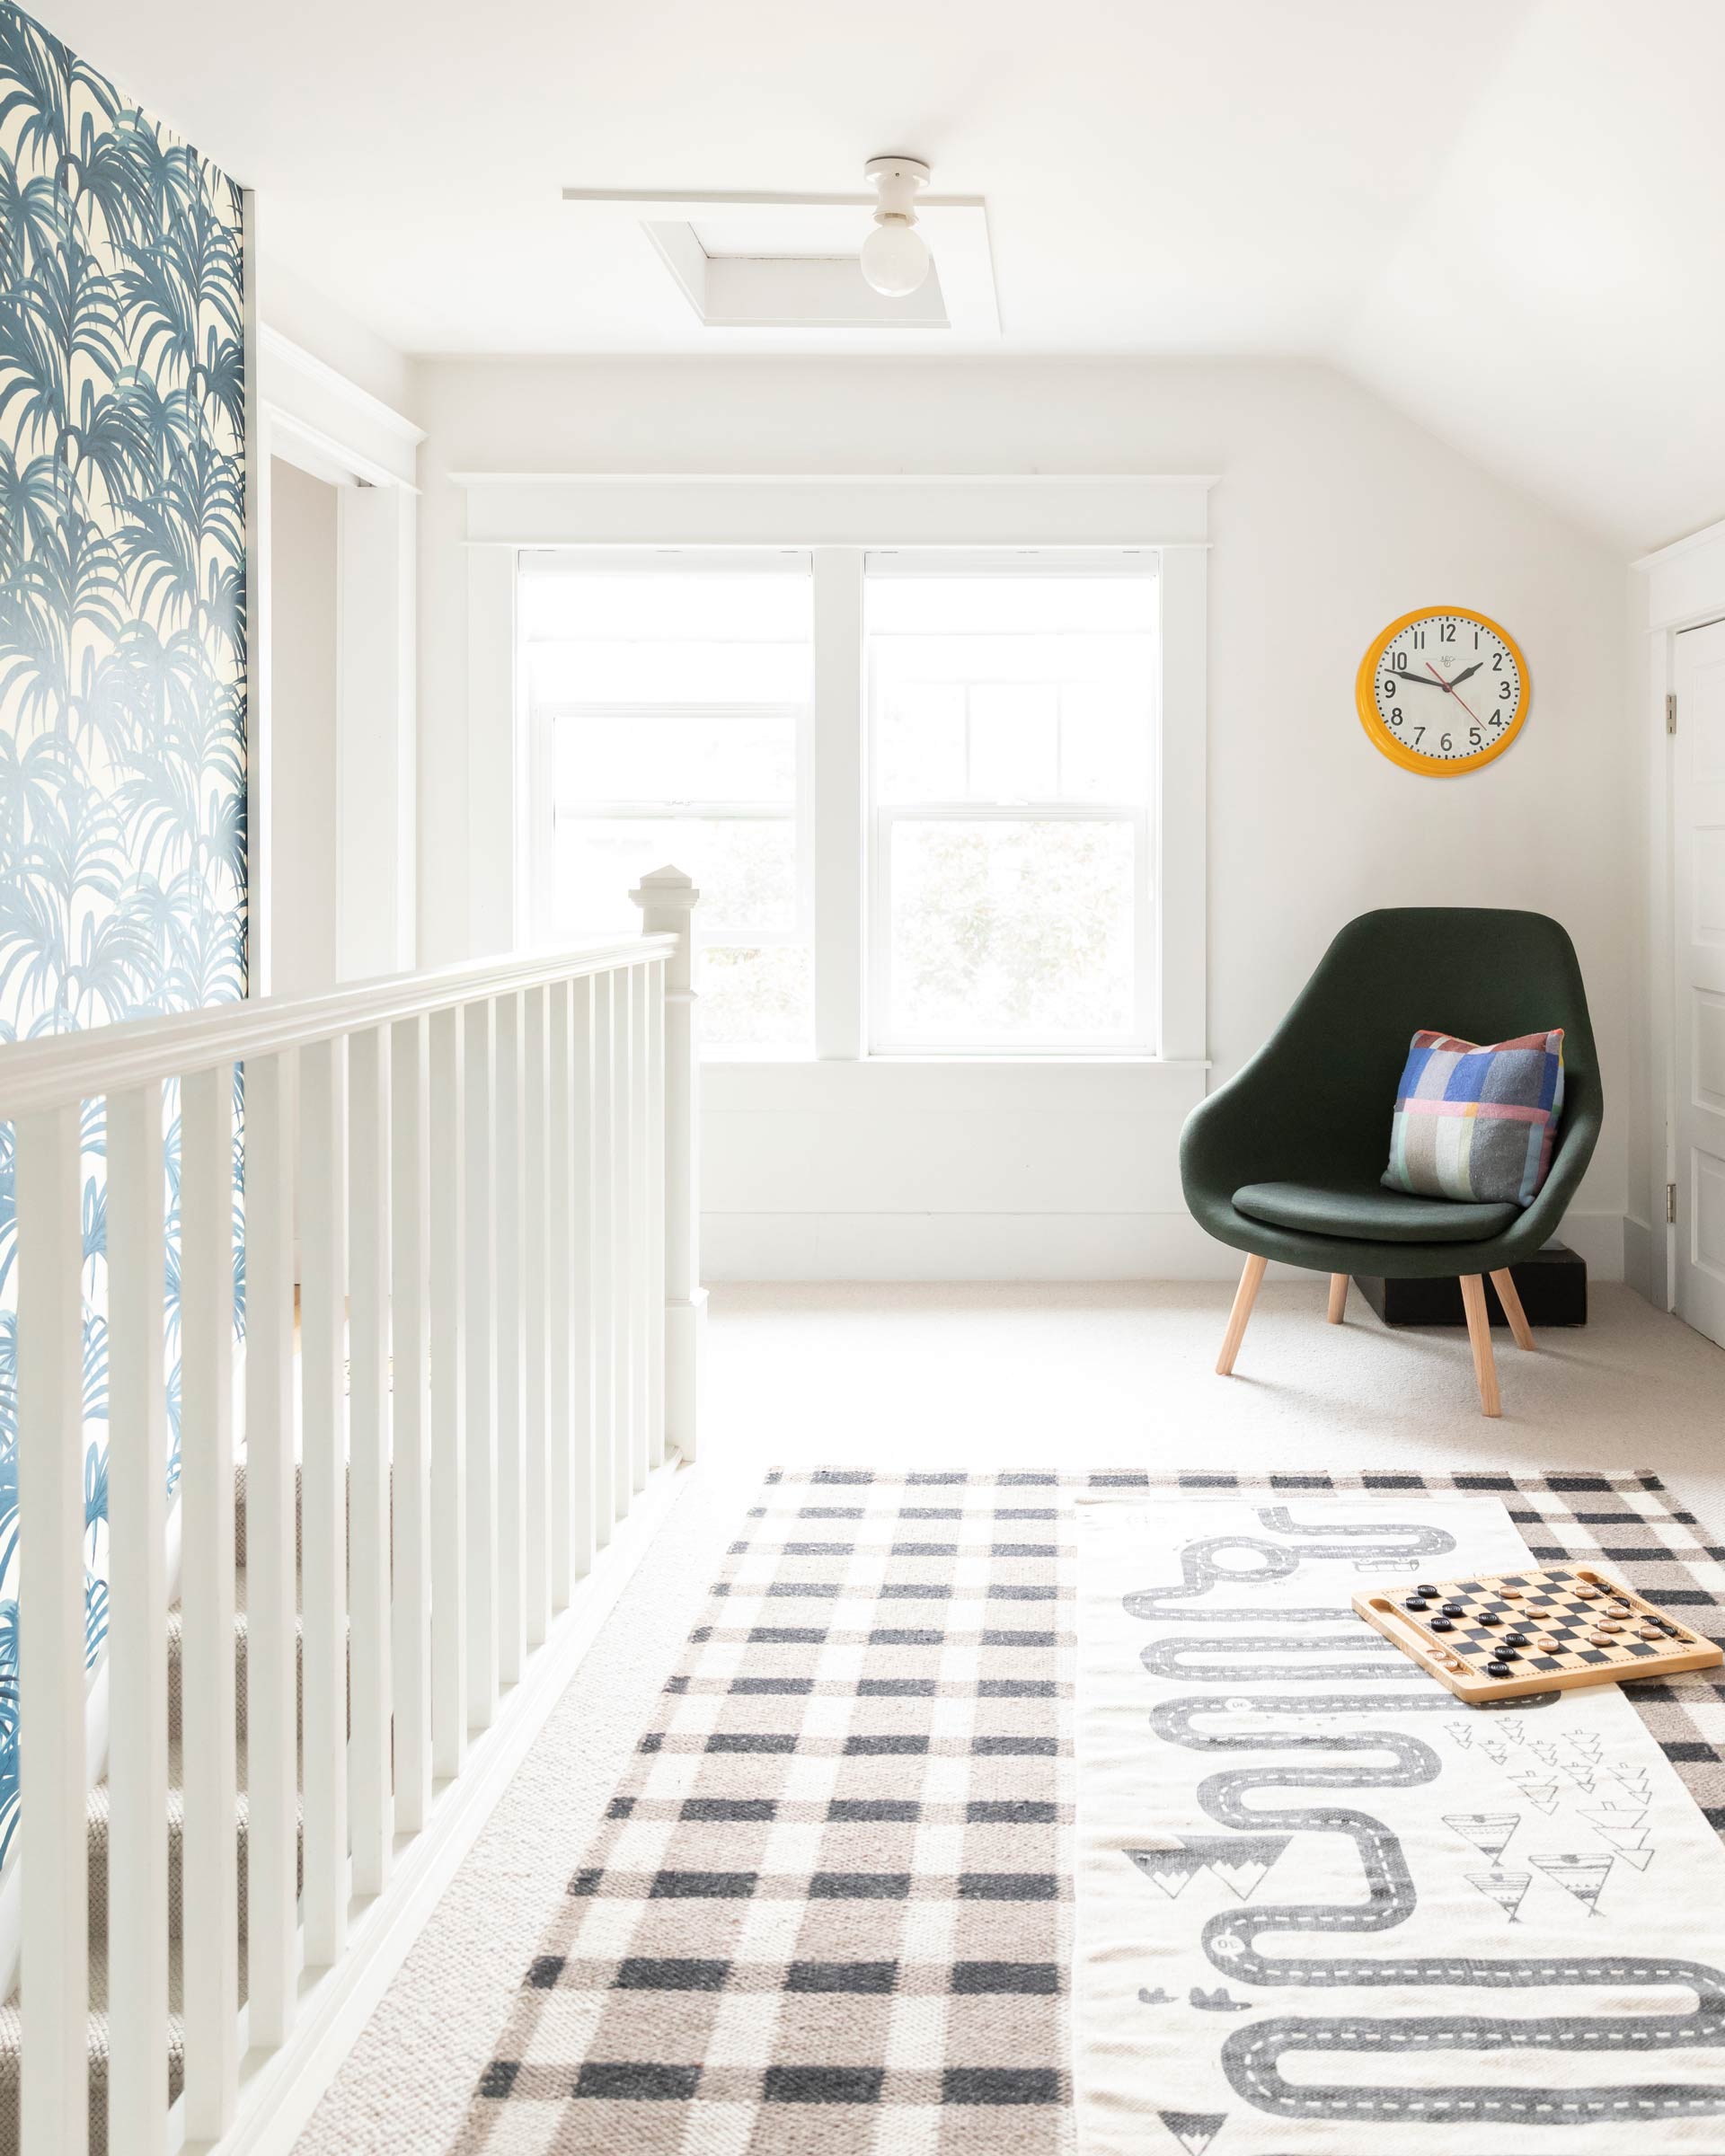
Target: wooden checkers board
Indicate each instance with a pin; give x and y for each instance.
(1504, 1635)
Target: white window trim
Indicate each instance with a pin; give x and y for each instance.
(837, 517)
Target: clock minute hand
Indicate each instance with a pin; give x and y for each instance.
(1419, 680)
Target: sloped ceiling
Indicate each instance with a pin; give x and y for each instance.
(1503, 215)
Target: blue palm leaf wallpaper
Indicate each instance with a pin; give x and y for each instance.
(122, 647)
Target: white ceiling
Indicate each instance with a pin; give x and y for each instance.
(1503, 214)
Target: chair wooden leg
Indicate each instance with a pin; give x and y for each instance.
(1245, 1296)
(1338, 1297)
(1512, 1309)
(1479, 1331)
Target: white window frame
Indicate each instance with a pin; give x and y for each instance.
(838, 517)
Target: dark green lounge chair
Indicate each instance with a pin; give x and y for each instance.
(1285, 1159)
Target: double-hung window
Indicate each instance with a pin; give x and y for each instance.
(1011, 715)
(974, 735)
(668, 700)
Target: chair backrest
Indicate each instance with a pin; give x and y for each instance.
(1482, 974)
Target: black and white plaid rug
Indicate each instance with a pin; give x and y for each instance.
(829, 1907)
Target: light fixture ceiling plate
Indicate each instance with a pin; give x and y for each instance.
(796, 280)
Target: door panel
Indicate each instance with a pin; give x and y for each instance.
(1698, 820)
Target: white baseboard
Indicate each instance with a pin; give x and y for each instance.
(1644, 1261)
(1015, 1246)
(279, 2090)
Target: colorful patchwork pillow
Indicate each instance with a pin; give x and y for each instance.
(1476, 1123)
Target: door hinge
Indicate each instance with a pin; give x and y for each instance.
(1671, 712)
(1670, 1201)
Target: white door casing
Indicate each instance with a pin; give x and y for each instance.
(1698, 1038)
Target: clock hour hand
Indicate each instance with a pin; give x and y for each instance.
(1466, 672)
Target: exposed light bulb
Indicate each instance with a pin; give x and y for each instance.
(895, 257)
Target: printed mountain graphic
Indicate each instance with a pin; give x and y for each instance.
(1621, 1826)
(1508, 1889)
(1239, 1861)
(1194, 2130)
(1583, 1877)
(1489, 1832)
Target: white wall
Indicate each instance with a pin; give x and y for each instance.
(302, 899)
(1332, 516)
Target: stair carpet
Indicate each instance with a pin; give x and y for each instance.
(96, 1817)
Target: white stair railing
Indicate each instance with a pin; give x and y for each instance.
(493, 1173)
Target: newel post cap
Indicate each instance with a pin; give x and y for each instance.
(666, 890)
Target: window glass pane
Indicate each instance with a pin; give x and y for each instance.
(656, 603)
(919, 753)
(1014, 742)
(756, 998)
(1010, 930)
(603, 669)
(662, 696)
(744, 869)
(629, 757)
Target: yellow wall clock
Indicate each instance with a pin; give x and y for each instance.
(1443, 691)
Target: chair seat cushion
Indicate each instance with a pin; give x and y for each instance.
(1371, 1216)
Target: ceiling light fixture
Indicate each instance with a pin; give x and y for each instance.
(895, 255)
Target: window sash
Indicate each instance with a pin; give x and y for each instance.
(885, 1039)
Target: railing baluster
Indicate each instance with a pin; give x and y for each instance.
(370, 1446)
(323, 1494)
(535, 1225)
(602, 1269)
(580, 1276)
(511, 1364)
(482, 1368)
(655, 1214)
(410, 1470)
(641, 1240)
(55, 2117)
(622, 1235)
(209, 1890)
(560, 1316)
(449, 1405)
(272, 1554)
(138, 1628)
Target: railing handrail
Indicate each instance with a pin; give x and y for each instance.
(65, 1068)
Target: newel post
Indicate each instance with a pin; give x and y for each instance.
(666, 899)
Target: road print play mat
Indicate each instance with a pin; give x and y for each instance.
(1322, 1908)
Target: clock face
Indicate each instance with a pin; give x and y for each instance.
(1443, 691)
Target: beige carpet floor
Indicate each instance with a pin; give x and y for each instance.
(996, 1377)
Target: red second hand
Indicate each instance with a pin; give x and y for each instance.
(1449, 691)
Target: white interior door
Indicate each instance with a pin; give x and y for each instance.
(1698, 815)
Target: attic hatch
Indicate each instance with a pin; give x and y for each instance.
(789, 262)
